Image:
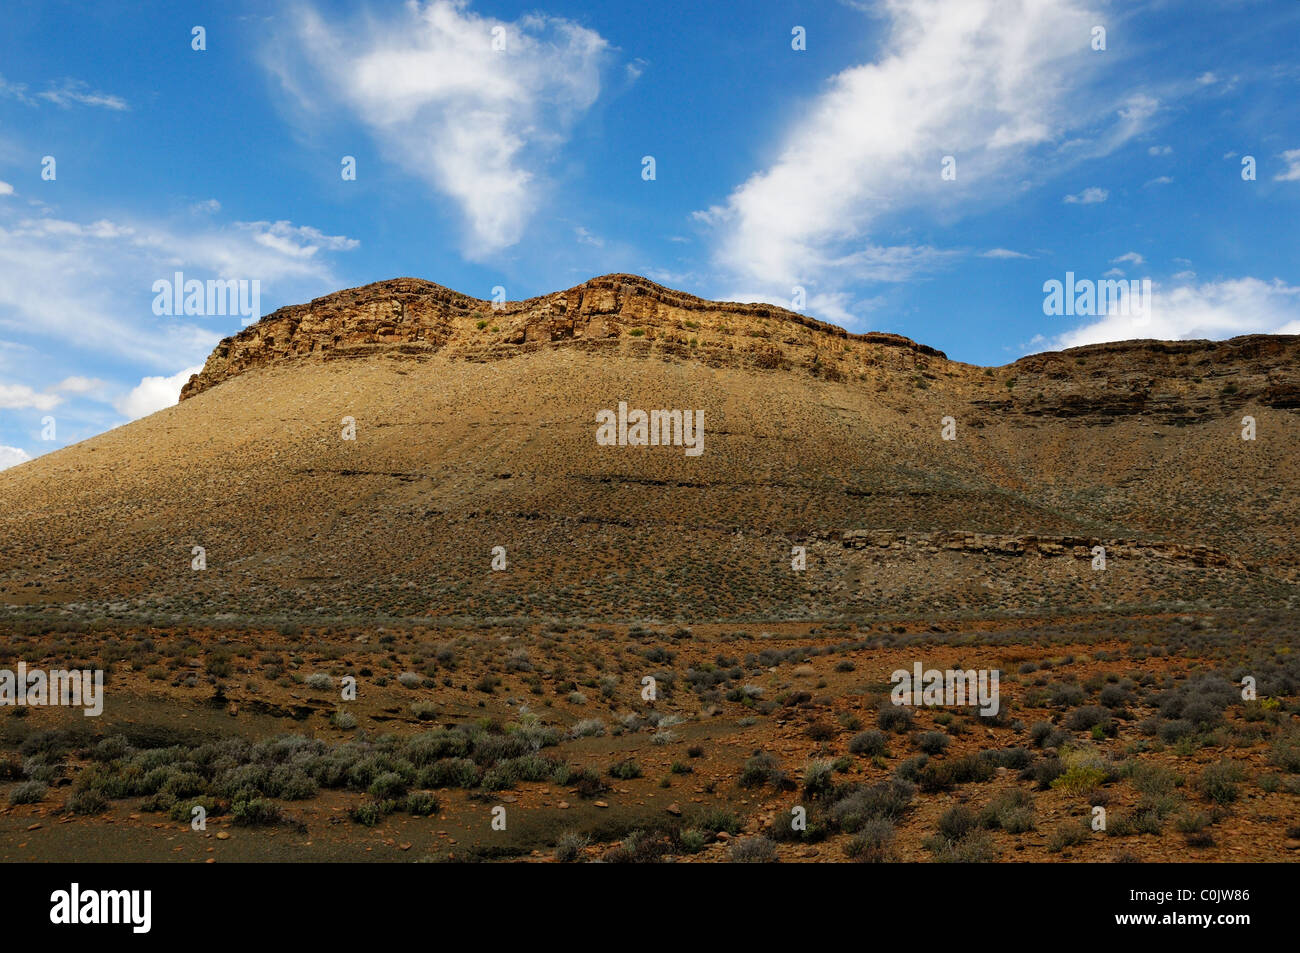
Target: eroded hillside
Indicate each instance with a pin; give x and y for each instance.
(475, 428)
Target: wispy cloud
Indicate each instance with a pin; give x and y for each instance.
(1292, 171)
(474, 122)
(66, 93)
(989, 83)
(87, 286)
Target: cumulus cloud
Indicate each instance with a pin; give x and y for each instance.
(6, 188)
(1003, 253)
(20, 396)
(474, 122)
(12, 456)
(154, 393)
(1089, 196)
(1132, 258)
(1214, 310)
(989, 83)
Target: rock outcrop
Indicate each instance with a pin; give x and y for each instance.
(1165, 381)
(408, 316)
(1077, 547)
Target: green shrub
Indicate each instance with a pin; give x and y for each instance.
(752, 850)
(761, 769)
(1218, 782)
(570, 846)
(450, 773)
(717, 819)
(1068, 835)
(255, 812)
(818, 778)
(932, 742)
(422, 804)
(873, 842)
(1011, 811)
(28, 792)
(625, 770)
(87, 801)
(868, 743)
(894, 718)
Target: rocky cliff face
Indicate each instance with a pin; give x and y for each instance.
(408, 316)
(1171, 381)
(1166, 381)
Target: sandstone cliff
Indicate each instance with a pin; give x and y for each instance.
(1168, 381)
(414, 317)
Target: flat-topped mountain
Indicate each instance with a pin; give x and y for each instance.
(363, 455)
(416, 317)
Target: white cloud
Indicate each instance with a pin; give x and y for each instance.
(78, 385)
(12, 456)
(1206, 79)
(987, 82)
(1292, 172)
(105, 307)
(1132, 258)
(1089, 196)
(19, 396)
(70, 92)
(6, 188)
(1158, 180)
(154, 393)
(296, 241)
(74, 92)
(1214, 310)
(472, 121)
(1003, 253)
(1159, 150)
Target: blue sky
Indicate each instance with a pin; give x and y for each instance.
(775, 168)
